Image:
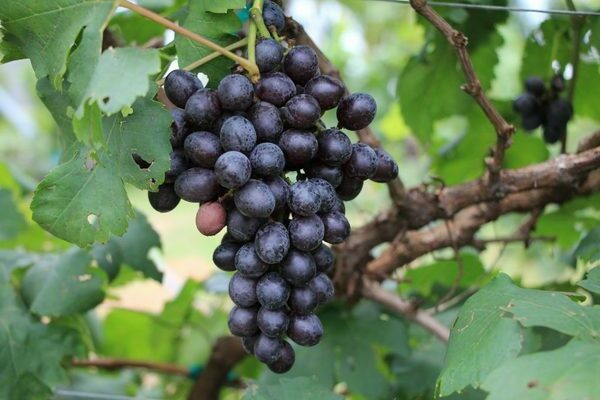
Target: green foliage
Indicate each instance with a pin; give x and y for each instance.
(592, 281)
(291, 389)
(12, 222)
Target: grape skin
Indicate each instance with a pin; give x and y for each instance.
(267, 122)
(248, 263)
(356, 111)
(165, 199)
(233, 169)
(197, 185)
(255, 199)
(285, 361)
(242, 321)
(203, 108)
(242, 290)
(241, 227)
(272, 242)
(180, 85)
(224, 256)
(235, 92)
(303, 300)
(301, 111)
(304, 198)
(238, 134)
(298, 268)
(268, 350)
(324, 258)
(203, 148)
(301, 64)
(337, 227)
(323, 288)
(306, 330)
(327, 90)
(267, 160)
(306, 233)
(273, 291)
(269, 54)
(299, 147)
(273, 323)
(275, 88)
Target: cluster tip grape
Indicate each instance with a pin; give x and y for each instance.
(258, 161)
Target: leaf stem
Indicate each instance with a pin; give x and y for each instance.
(256, 15)
(246, 64)
(252, 42)
(210, 57)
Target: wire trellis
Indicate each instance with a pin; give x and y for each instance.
(489, 7)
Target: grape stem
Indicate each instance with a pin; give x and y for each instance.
(246, 64)
(210, 57)
(256, 15)
(252, 42)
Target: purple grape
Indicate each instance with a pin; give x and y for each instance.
(281, 190)
(255, 199)
(224, 255)
(248, 263)
(238, 134)
(301, 64)
(269, 54)
(298, 146)
(337, 227)
(327, 194)
(535, 86)
(242, 321)
(235, 92)
(178, 166)
(327, 90)
(298, 268)
(267, 160)
(324, 258)
(198, 185)
(356, 111)
(203, 108)
(349, 188)
(268, 350)
(275, 88)
(233, 169)
(273, 291)
(306, 330)
(285, 361)
(387, 169)
(242, 290)
(165, 199)
(179, 128)
(323, 288)
(301, 111)
(273, 323)
(267, 122)
(331, 174)
(180, 85)
(303, 300)
(273, 16)
(203, 149)
(363, 162)
(335, 147)
(304, 198)
(272, 242)
(242, 228)
(306, 233)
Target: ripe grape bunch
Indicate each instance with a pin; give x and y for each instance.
(541, 106)
(258, 160)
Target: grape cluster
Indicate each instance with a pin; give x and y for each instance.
(541, 106)
(259, 161)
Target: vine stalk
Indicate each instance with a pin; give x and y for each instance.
(246, 64)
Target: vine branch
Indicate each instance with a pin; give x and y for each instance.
(112, 364)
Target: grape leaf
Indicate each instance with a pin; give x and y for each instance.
(570, 372)
(120, 77)
(220, 28)
(589, 247)
(224, 5)
(84, 200)
(63, 285)
(545, 45)
(45, 31)
(592, 281)
(12, 221)
(135, 29)
(299, 388)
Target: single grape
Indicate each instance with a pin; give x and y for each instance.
(268, 350)
(203, 149)
(242, 321)
(558, 83)
(275, 88)
(272, 242)
(298, 146)
(267, 160)
(303, 300)
(301, 111)
(218, 124)
(224, 255)
(273, 291)
(324, 258)
(178, 165)
(331, 174)
(233, 169)
(387, 169)
(301, 64)
(323, 287)
(363, 162)
(558, 115)
(273, 323)
(198, 185)
(179, 128)
(165, 199)
(339, 205)
(356, 111)
(248, 263)
(335, 147)
(306, 233)
(326, 90)
(298, 267)
(337, 227)
(238, 134)
(281, 190)
(532, 121)
(285, 361)
(526, 104)
(203, 108)
(267, 122)
(304, 198)
(535, 86)
(327, 194)
(242, 228)
(210, 218)
(273, 16)
(349, 188)
(235, 92)
(255, 199)
(248, 343)
(269, 54)
(242, 291)
(306, 330)
(180, 85)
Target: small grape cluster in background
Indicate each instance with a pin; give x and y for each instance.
(541, 106)
(258, 160)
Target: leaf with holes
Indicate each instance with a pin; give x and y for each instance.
(63, 285)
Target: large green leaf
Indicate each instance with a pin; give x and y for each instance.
(63, 285)
(45, 31)
(299, 388)
(221, 28)
(84, 200)
(224, 5)
(589, 247)
(570, 372)
(592, 281)
(12, 221)
(547, 44)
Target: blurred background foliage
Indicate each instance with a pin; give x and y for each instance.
(435, 132)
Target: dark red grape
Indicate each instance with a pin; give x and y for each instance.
(306, 233)
(235, 92)
(362, 163)
(327, 90)
(387, 169)
(203, 149)
(238, 134)
(285, 361)
(356, 111)
(255, 199)
(180, 85)
(267, 122)
(273, 291)
(337, 227)
(248, 263)
(298, 146)
(301, 64)
(268, 350)
(210, 218)
(242, 321)
(304, 198)
(273, 323)
(275, 88)
(269, 54)
(323, 287)
(198, 185)
(267, 160)
(272, 242)
(242, 228)
(233, 169)
(303, 300)
(324, 258)
(224, 255)
(203, 108)
(335, 147)
(298, 267)
(242, 291)
(273, 16)
(301, 111)
(178, 166)
(331, 174)
(165, 199)
(306, 330)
